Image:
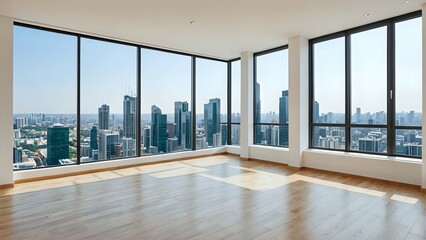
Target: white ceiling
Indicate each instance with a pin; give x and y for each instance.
(222, 28)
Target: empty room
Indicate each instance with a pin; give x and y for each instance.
(212, 119)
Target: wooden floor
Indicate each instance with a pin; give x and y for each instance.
(217, 197)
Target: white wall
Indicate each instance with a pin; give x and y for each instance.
(298, 58)
(271, 154)
(381, 167)
(6, 96)
(246, 116)
(424, 87)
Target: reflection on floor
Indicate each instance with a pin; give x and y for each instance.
(217, 197)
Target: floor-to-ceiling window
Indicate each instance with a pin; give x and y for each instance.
(109, 100)
(329, 94)
(79, 98)
(271, 98)
(166, 102)
(44, 98)
(366, 88)
(211, 103)
(408, 87)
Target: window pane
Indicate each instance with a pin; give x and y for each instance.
(236, 91)
(408, 142)
(271, 135)
(369, 139)
(271, 88)
(329, 85)
(235, 134)
(329, 137)
(408, 72)
(45, 98)
(369, 76)
(211, 91)
(108, 100)
(166, 105)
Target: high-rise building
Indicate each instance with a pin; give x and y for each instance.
(211, 119)
(283, 119)
(93, 139)
(185, 130)
(217, 140)
(57, 144)
(17, 155)
(103, 116)
(200, 142)
(85, 150)
(171, 129)
(316, 112)
(358, 115)
(258, 128)
(367, 144)
(180, 109)
(155, 111)
(128, 147)
(147, 139)
(161, 129)
(107, 141)
(413, 149)
(21, 122)
(172, 144)
(224, 134)
(129, 117)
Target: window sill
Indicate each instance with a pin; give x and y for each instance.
(366, 155)
(274, 148)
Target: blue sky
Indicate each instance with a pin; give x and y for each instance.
(45, 74)
(369, 73)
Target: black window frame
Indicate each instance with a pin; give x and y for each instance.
(255, 124)
(229, 120)
(139, 48)
(390, 125)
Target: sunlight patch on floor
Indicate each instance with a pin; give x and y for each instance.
(404, 199)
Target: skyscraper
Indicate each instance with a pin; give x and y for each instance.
(107, 141)
(129, 117)
(258, 128)
(103, 116)
(180, 109)
(162, 133)
(128, 147)
(316, 112)
(154, 133)
(358, 115)
(171, 144)
(283, 118)
(57, 144)
(147, 139)
(17, 154)
(224, 134)
(171, 128)
(93, 139)
(368, 144)
(211, 119)
(186, 130)
(158, 129)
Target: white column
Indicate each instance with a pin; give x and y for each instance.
(246, 117)
(6, 103)
(424, 92)
(298, 59)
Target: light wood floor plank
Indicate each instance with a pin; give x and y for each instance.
(216, 197)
